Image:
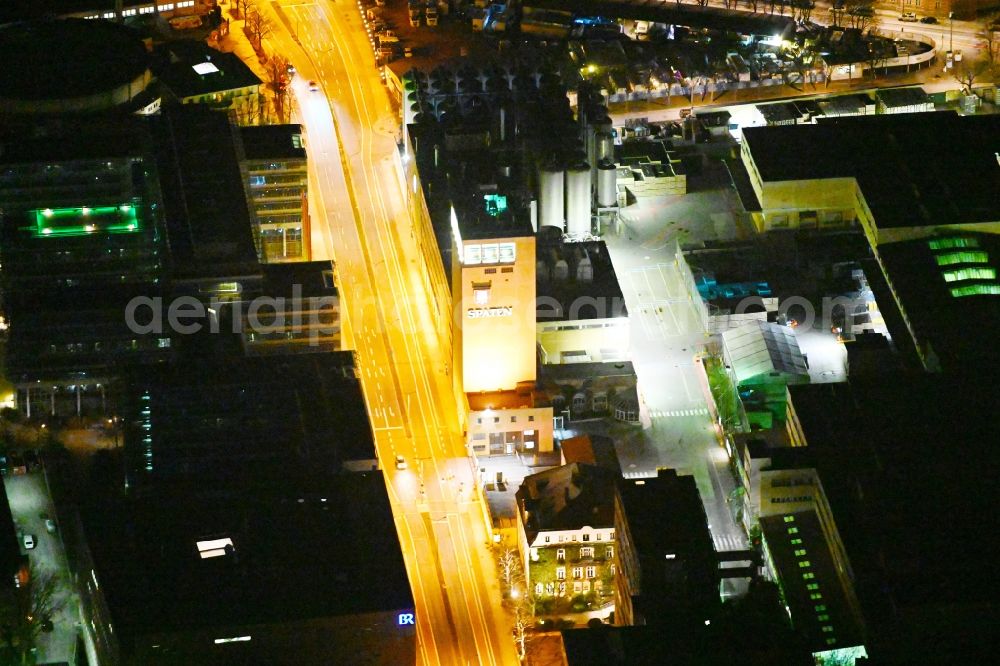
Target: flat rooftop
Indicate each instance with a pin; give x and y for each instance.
(198, 558)
(568, 497)
(588, 289)
(262, 142)
(204, 194)
(195, 69)
(951, 295)
(905, 462)
(253, 418)
(917, 169)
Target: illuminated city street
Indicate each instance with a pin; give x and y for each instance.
(389, 305)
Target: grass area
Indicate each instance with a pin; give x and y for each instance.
(723, 392)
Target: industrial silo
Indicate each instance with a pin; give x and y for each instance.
(607, 183)
(550, 194)
(578, 200)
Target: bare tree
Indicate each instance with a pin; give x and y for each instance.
(802, 9)
(837, 11)
(240, 7)
(967, 71)
(702, 3)
(509, 567)
(258, 25)
(276, 70)
(862, 14)
(753, 5)
(521, 632)
(21, 622)
(250, 110)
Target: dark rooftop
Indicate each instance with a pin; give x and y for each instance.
(916, 169)
(591, 450)
(254, 418)
(960, 318)
(578, 282)
(900, 97)
(205, 199)
(566, 498)
(905, 462)
(262, 142)
(779, 113)
(68, 58)
(313, 278)
(180, 78)
(304, 552)
(669, 532)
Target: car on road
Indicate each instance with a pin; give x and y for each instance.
(400, 462)
(908, 17)
(29, 541)
(313, 86)
(929, 20)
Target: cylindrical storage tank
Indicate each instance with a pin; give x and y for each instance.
(607, 183)
(578, 200)
(605, 146)
(550, 195)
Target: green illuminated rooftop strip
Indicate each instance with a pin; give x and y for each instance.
(953, 242)
(973, 257)
(976, 290)
(85, 220)
(977, 273)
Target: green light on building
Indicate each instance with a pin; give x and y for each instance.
(496, 204)
(86, 220)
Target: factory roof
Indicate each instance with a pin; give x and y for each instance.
(913, 170)
(576, 281)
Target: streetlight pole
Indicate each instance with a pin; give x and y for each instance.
(951, 33)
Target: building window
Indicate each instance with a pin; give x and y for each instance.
(793, 530)
(550, 588)
(609, 552)
(560, 573)
(789, 519)
(591, 572)
(577, 572)
(547, 539)
(539, 588)
(561, 555)
(833, 641)
(577, 588)
(800, 552)
(812, 586)
(531, 418)
(796, 542)
(808, 576)
(586, 586)
(804, 564)
(496, 419)
(586, 537)
(828, 629)
(586, 551)
(513, 419)
(481, 294)
(823, 618)
(611, 535)
(562, 589)
(816, 596)
(819, 608)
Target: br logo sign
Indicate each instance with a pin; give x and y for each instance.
(406, 618)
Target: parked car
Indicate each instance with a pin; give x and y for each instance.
(313, 86)
(929, 20)
(400, 462)
(29, 541)
(908, 17)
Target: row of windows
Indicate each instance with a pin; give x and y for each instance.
(577, 572)
(976, 290)
(585, 552)
(976, 273)
(971, 257)
(87, 347)
(584, 537)
(789, 500)
(578, 587)
(496, 419)
(953, 242)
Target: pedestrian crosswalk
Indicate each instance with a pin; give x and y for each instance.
(728, 542)
(660, 413)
